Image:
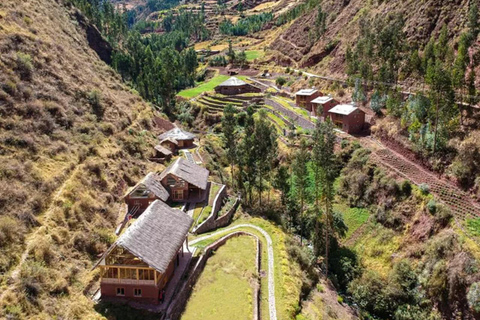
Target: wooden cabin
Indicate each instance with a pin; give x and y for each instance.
(347, 117)
(177, 138)
(185, 181)
(144, 258)
(140, 196)
(170, 143)
(235, 86)
(162, 153)
(322, 105)
(304, 97)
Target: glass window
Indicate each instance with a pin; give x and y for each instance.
(137, 292)
(120, 291)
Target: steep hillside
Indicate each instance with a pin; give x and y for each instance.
(72, 136)
(327, 54)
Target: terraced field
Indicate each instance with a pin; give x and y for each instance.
(216, 103)
(459, 202)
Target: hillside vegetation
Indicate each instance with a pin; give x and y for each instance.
(72, 137)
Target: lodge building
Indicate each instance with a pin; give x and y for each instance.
(347, 117)
(177, 139)
(321, 106)
(304, 98)
(142, 261)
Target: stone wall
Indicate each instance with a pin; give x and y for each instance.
(209, 223)
(213, 223)
(176, 308)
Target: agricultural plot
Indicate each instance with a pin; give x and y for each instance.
(354, 218)
(254, 54)
(458, 201)
(225, 287)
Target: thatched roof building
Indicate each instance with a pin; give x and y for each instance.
(151, 183)
(177, 134)
(188, 171)
(157, 235)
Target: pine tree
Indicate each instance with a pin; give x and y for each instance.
(473, 24)
(301, 174)
(229, 136)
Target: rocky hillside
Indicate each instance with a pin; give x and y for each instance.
(72, 137)
(422, 19)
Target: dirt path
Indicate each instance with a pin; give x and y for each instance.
(271, 266)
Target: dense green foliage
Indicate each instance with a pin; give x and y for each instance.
(246, 25)
(158, 66)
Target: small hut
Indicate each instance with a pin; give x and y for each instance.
(322, 105)
(234, 86)
(178, 137)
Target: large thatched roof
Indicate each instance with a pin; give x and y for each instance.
(153, 184)
(177, 134)
(188, 171)
(157, 235)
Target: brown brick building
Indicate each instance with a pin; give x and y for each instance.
(144, 193)
(177, 139)
(322, 105)
(347, 118)
(304, 97)
(143, 260)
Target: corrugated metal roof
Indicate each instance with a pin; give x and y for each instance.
(306, 92)
(322, 100)
(344, 109)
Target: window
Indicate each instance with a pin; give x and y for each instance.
(178, 194)
(171, 181)
(137, 292)
(120, 291)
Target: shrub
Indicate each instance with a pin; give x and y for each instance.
(280, 81)
(432, 206)
(95, 100)
(10, 230)
(406, 188)
(340, 299)
(10, 87)
(424, 188)
(473, 296)
(24, 66)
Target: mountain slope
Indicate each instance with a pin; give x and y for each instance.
(72, 136)
(422, 19)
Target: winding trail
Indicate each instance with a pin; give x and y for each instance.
(271, 266)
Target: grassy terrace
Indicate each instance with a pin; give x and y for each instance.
(354, 218)
(225, 287)
(287, 272)
(254, 54)
(205, 86)
(285, 103)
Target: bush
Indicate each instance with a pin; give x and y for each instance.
(473, 296)
(406, 188)
(432, 206)
(94, 98)
(24, 66)
(424, 188)
(281, 81)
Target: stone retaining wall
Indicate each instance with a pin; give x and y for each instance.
(213, 223)
(176, 308)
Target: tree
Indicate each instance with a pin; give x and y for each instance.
(229, 136)
(325, 161)
(358, 94)
(265, 146)
(300, 173)
(280, 182)
(231, 52)
(280, 81)
(473, 20)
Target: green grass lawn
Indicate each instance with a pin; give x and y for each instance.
(254, 54)
(277, 120)
(214, 188)
(287, 272)
(353, 217)
(224, 289)
(205, 86)
(473, 226)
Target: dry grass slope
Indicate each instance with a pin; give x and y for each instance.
(72, 136)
